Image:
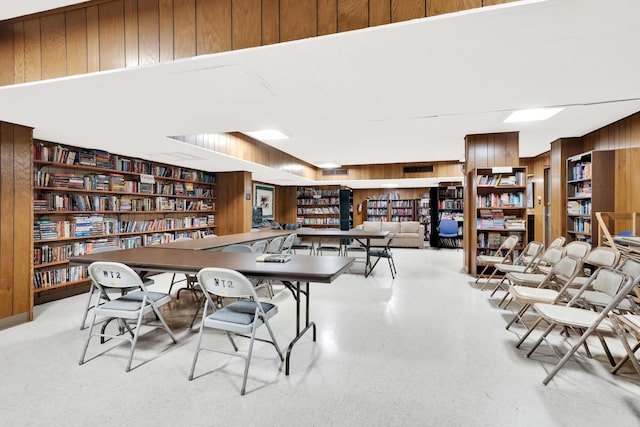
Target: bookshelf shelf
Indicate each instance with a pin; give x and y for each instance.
(84, 198)
(589, 190)
(448, 203)
(328, 207)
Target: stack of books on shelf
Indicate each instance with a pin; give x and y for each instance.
(581, 171)
(515, 224)
(583, 190)
(86, 158)
(102, 159)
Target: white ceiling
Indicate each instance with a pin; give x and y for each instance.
(406, 92)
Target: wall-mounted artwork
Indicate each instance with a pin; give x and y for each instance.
(264, 198)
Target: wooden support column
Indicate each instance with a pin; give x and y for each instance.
(561, 149)
(16, 223)
(232, 205)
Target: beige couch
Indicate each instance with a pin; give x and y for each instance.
(409, 234)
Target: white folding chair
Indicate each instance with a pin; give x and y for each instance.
(526, 261)
(260, 246)
(287, 245)
(241, 317)
(587, 321)
(131, 306)
(275, 245)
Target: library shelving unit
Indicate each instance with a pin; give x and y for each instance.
(402, 210)
(423, 213)
(590, 183)
(326, 207)
(447, 203)
(500, 210)
(378, 210)
(84, 198)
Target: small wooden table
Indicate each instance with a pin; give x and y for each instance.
(360, 235)
(301, 268)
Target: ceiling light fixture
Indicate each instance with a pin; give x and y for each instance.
(532, 115)
(327, 165)
(390, 185)
(267, 135)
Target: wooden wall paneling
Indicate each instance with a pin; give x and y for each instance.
(379, 12)
(298, 19)
(561, 149)
(132, 33)
(327, 17)
(353, 14)
(149, 31)
(18, 54)
(9, 68)
(93, 40)
(213, 26)
(495, 2)
(6, 219)
(270, 22)
(23, 221)
(285, 205)
(404, 10)
(76, 39)
(438, 7)
(234, 211)
(32, 55)
(246, 24)
(111, 34)
(54, 49)
(184, 22)
(165, 19)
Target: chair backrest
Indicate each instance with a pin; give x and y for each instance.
(227, 283)
(608, 281)
(275, 245)
(552, 255)
(509, 243)
(578, 249)
(114, 275)
(390, 238)
(238, 248)
(614, 283)
(567, 268)
(448, 226)
(288, 244)
(602, 256)
(259, 247)
(102, 249)
(631, 267)
(558, 241)
(530, 253)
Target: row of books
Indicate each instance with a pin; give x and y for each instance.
(582, 225)
(451, 204)
(48, 278)
(105, 160)
(493, 240)
(318, 221)
(401, 211)
(583, 190)
(579, 171)
(100, 182)
(398, 218)
(97, 225)
(92, 202)
(377, 203)
(322, 201)
(456, 216)
(516, 179)
(501, 200)
(376, 212)
(319, 210)
(316, 193)
(582, 207)
(449, 242)
(402, 204)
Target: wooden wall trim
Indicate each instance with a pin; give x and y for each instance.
(104, 35)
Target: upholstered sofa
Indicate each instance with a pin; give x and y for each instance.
(409, 234)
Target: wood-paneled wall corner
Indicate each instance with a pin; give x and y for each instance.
(16, 222)
(233, 208)
(561, 149)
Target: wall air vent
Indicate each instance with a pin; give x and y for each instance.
(418, 169)
(335, 171)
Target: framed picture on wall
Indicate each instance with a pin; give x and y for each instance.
(264, 198)
(530, 194)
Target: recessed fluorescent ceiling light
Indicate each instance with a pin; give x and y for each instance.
(267, 135)
(532, 115)
(327, 165)
(390, 185)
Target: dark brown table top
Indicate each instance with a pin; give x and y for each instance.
(222, 241)
(304, 268)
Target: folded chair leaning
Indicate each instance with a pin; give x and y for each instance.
(525, 263)
(587, 321)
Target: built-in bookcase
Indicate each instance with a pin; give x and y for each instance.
(83, 199)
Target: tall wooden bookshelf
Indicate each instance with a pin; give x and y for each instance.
(85, 198)
(590, 183)
(389, 208)
(499, 210)
(325, 207)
